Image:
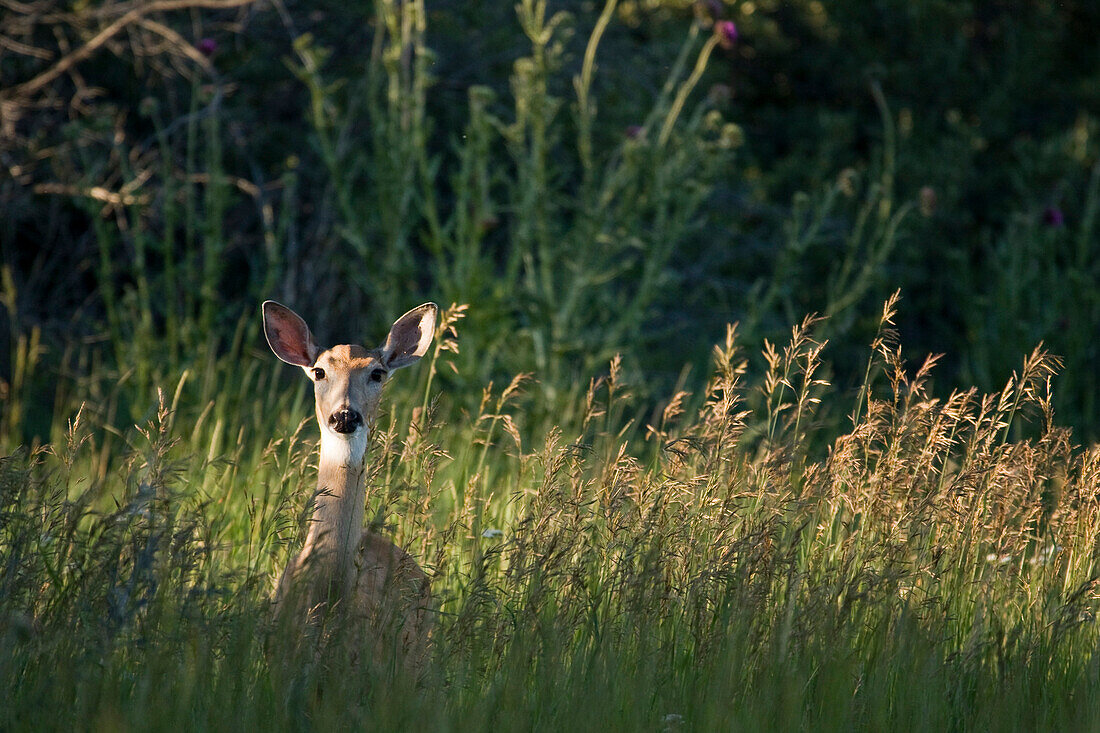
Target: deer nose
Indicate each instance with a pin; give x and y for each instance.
(345, 421)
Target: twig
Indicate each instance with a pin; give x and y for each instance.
(69, 60)
(96, 192)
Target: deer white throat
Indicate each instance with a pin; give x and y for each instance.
(343, 450)
(336, 527)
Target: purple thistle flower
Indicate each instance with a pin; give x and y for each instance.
(726, 32)
(633, 132)
(1053, 217)
(208, 47)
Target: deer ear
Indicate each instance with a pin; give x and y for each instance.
(410, 336)
(288, 335)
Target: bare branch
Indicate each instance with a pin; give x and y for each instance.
(136, 14)
(98, 193)
(22, 48)
(178, 41)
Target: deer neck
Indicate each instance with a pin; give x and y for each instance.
(332, 543)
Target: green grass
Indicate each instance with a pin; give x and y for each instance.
(924, 572)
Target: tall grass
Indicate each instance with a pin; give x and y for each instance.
(925, 571)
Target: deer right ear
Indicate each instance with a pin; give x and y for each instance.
(410, 336)
(288, 335)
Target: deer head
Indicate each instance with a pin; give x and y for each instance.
(347, 379)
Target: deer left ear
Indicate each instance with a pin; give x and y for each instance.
(410, 336)
(288, 335)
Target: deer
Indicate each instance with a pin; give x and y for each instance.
(373, 584)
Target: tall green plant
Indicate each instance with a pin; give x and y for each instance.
(562, 247)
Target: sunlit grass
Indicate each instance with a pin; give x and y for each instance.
(922, 571)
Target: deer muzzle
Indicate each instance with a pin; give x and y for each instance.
(345, 421)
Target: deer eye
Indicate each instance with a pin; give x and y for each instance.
(377, 374)
(318, 373)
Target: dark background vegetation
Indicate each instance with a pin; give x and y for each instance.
(980, 117)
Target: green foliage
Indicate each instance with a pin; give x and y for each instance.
(696, 577)
(570, 173)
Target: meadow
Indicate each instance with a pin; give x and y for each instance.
(667, 464)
